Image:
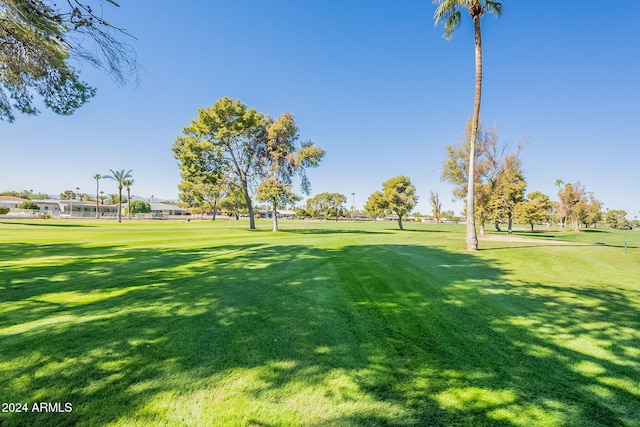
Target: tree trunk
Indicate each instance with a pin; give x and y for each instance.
(472, 236)
(97, 198)
(275, 217)
(400, 223)
(129, 202)
(482, 229)
(498, 225)
(247, 199)
(531, 226)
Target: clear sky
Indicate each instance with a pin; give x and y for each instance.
(371, 82)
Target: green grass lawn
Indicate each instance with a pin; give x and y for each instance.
(322, 324)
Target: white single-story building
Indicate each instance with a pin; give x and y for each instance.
(282, 213)
(11, 202)
(76, 208)
(164, 210)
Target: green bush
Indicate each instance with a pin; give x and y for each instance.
(29, 205)
(139, 206)
(4, 210)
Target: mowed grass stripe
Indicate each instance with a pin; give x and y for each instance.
(204, 323)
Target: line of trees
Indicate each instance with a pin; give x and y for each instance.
(499, 183)
(500, 187)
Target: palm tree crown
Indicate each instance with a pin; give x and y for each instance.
(449, 12)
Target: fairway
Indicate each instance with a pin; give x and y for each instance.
(322, 324)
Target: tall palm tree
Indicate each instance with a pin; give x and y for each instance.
(120, 177)
(97, 177)
(128, 183)
(449, 12)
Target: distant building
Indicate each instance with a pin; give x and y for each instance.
(87, 209)
(282, 213)
(164, 210)
(11, 202)
(75, 208)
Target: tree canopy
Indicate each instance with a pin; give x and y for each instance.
(277, 193)
(247, 147)
(326, 205)
(398, 197)
(577, 205)
(499, 180)
(38, 40)
(139, 206)
(536, 208)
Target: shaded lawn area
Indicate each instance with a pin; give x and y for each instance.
(340, 325)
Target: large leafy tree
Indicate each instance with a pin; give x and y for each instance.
(616, 218)
(37, 41)
(449, 12)
(509, 191)
(233, 202)
(398, 197)
(326, 204)
(230, 140)
(592, 211)
(577, 205)
(536, 208)
(68, 195)
(121, 178)
(226, 138)
(494, 162)
(277, 194)
(139, 206)
(282, 160)
(436, 206)
(202, 194)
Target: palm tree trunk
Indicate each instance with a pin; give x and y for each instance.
(472, 236)
(129, 202)
(119, 204)
(97, 197)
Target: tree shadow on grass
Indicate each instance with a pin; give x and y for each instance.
(45, 223)
(383, 334)
(328, 231)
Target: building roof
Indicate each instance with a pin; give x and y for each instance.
(13, 199)
(166, 207)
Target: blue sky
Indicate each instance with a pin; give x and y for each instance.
(373, 83)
